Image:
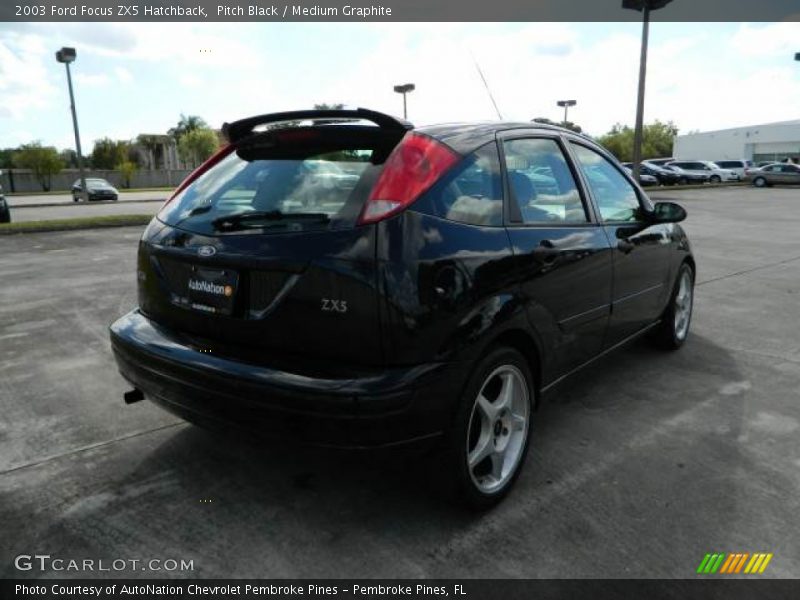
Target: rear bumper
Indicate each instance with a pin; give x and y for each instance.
(378, 408)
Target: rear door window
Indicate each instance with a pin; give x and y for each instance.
(541, 183)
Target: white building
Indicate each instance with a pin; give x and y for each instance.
(768, 142)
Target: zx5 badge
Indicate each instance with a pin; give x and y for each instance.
(329, 305)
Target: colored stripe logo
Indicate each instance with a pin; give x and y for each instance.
(734, 563)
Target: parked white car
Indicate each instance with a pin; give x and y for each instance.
(740, 167)
(706, 167)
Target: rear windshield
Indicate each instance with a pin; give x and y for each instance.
(251, 190)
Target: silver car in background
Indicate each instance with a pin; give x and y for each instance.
(776, 173)
(705, 167)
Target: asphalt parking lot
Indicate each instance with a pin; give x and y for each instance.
(65, 198)
(93, 209)
(40, 207)
(637, 469)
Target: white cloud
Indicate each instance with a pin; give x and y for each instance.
(701, 80)
(123, 75)
(190, 81)
(767, 40)
(25, 84)
(92, 79)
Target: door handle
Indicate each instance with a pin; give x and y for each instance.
(545, 252)
(626, 246)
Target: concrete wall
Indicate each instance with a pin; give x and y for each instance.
(24, 181)
(740, 142)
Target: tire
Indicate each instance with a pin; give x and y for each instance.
(715, 179)
(74, 198)
(488, 441)
(683, 181)
(760, 182)
(672, 331)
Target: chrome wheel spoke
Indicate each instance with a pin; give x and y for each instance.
(506, 396)
(483, 448)
(498, 459)
(487, 408)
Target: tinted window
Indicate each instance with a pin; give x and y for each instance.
(615, 195)
(324, 184)
(790, 169)
(730, 164)
(541, 183)
(471, 193)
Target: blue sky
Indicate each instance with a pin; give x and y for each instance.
(133, 78)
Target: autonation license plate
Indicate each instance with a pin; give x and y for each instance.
(212, 290)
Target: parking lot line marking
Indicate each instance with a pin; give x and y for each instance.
(41, 461)
(747, 271)
(9, 336)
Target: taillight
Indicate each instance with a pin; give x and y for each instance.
(412, 167)
(210, 162)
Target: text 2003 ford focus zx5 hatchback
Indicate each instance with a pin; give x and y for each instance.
(340, 278)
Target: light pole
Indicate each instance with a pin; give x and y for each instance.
(645, 7)
(404, 89)
(66, 56)
(566, 104)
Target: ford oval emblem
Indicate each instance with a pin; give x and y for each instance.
(206, 251)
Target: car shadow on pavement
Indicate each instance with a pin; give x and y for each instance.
(616, 460)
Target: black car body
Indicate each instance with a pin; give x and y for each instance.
(687, 177)
(645, 178)
(98, 189)
(355, 311)
(5, 210)
(662, 175)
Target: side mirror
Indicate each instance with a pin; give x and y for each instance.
(667, 212)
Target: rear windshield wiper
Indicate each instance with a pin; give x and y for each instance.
(241, 219)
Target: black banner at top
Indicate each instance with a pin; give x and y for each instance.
(393, 10)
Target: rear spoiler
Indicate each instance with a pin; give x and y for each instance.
(238, 130)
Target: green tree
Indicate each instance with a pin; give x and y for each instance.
(127, 168)
(7, 158)
(44, 161)
(107, 153)
(185, 125)
(325, 106)
(154, 147)
(657, 140)
(197, 145)
(566, 124)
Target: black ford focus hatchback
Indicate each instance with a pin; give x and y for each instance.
(343, 279)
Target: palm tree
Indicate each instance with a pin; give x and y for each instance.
(187, 124)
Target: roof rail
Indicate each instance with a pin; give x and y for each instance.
(239, 129)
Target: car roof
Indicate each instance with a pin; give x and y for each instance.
(467, 136)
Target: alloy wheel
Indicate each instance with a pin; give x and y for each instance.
(498, 429)
(683, 305)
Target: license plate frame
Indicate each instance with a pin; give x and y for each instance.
(212, 290)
